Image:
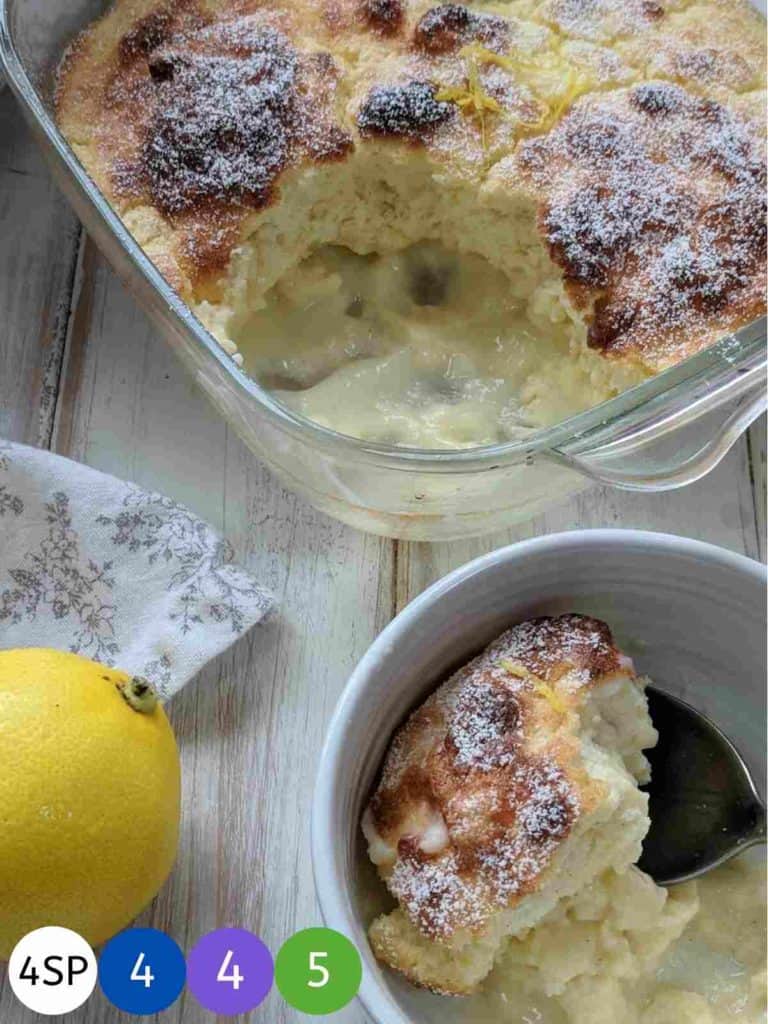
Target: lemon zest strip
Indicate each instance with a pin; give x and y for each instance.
(471, 98)
(540, 687)
(576, 84)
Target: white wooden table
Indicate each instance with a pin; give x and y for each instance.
(83, 373)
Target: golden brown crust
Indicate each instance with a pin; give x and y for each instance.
(654, 206)
(201, 116)
(449, 26)
(386, 17)
(715, 49)
(484, 782)
(408, 111)
(603, 19)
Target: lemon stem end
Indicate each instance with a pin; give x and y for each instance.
(139, 694)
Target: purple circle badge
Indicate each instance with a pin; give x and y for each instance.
(230, 971)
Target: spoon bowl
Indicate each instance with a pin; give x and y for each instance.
(703, 803)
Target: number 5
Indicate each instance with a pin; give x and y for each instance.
(314, 966)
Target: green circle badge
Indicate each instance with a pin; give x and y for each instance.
(318, 971)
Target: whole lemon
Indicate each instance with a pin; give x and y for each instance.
(89, 796)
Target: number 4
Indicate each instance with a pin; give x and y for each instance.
(235, 978)
(29, 972)
(317, 968)
(147, 977)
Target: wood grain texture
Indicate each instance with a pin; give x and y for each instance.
(38, 245)
(251, 727)
(719, 509)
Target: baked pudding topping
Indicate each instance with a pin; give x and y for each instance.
(530, 755)
(598, 165)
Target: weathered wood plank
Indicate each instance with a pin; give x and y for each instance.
(38, 246)
(719, 509)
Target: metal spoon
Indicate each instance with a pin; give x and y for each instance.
(704, 806)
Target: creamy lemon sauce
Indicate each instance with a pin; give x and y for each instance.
(624, 954)
(712, 974)
(423, 348)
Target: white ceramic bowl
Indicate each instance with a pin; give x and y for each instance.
(693, 617)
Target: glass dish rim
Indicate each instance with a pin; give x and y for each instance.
(542, 440)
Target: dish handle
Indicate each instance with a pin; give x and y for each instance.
(671, 448)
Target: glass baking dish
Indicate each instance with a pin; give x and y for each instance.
(662, 434)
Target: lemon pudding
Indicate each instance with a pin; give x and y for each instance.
(622, 951)
(506, 825)
(596, 164)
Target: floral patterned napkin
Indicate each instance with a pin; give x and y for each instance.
(94, 565)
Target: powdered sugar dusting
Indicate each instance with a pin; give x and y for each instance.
(512, 862)
(446, 27)
(467, 754)
(436, 895)
(484, 725)
(602, 19)
(234, 103)
(551, 805)
(222, 126)
(572, 650)
(403, 111)
(492, 867)
(655, 206)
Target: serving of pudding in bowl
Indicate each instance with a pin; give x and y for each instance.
(480, 808)
(506, 824)
(438, 226)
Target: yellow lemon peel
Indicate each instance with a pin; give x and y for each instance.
(482, 55)
(545, 690)
(471, 98)
(89, 844)
(515, 668)
(576, 84)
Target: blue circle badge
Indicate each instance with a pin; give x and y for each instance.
(142, 971)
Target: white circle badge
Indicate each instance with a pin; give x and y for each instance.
(52, 970)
